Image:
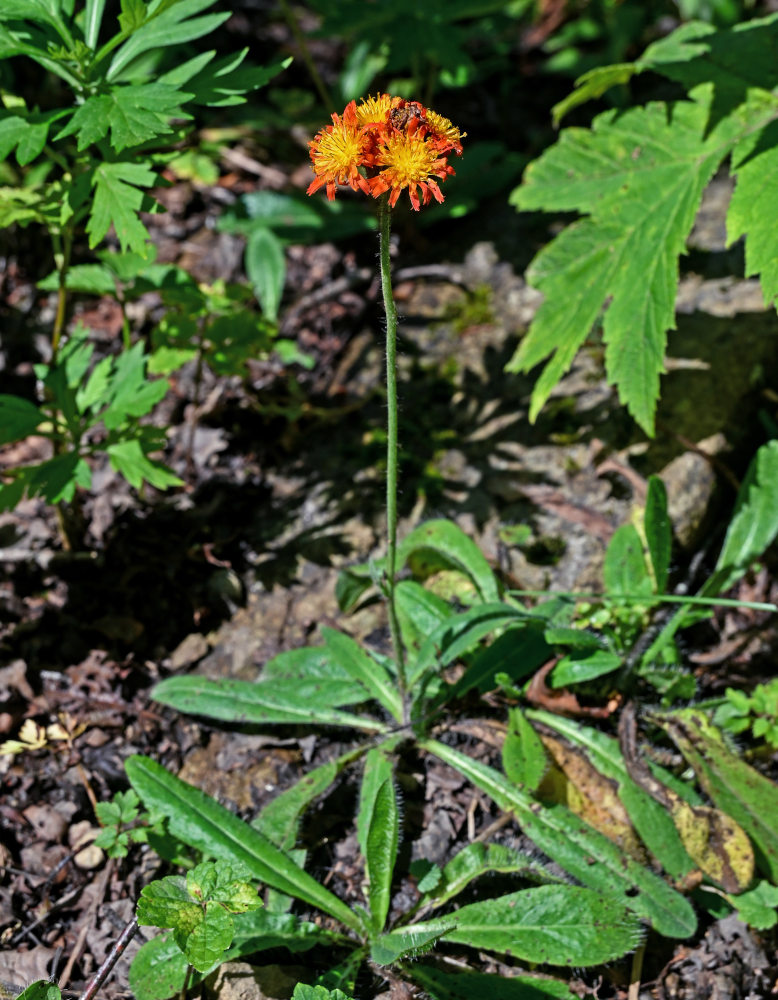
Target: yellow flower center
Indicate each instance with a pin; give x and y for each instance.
(373, 110)
(408, 160)
(338, 152)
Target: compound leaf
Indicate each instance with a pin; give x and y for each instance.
(638, 176)
(117, 200)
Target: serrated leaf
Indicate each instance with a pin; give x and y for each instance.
(261, 930)
(18, 418)
(751, 210)
(638, 176)
(738, 61)
(159, 969)
(130, 460)
(131, 114)
(580, 849)
(659, 534)
(554, 924)
(592, 85)
(757, 908)
(165, 902)
(117, 200)
(42, 990)
(201, 822)
(267, 702)
(305, 992)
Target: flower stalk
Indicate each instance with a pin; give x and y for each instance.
(382, 147)
(390, 309)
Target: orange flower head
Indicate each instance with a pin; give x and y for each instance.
(337, 152)
(385, 144)
(406, 160)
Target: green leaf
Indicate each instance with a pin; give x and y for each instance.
(580, 849)
(130, 392)
(625, 570)
(201, 822)
(409, 942)
(553, 924)
(651, 819)
(518, 652)
(266, 269)
(757, 907)
(659, 532)
(130, 460)
(304, 992)
(42, 990)
(173, 26)
(585, 666)
(466, 985)
(638, 177)
(461, 633)
(279, 820)
(735, 787)
(268, 702)
(475, 860)
(419, 611)
(524, 758)
(592, 85)
(18, 418)
(381, 851)
(132, 115)
(754, 524)
(165, 903)
(261, 930)
(159, 970)
(448, 542)
(349, 655)
(117, 201)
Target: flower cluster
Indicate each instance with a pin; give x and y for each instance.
(385, 144)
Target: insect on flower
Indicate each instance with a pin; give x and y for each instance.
(385, 144)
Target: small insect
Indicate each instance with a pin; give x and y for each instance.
(401, 117)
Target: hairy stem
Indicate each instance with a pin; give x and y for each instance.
(385, 225)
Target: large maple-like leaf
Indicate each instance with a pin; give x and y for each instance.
(754, 207)
(132, 114)
(638, 177)
(118, 199)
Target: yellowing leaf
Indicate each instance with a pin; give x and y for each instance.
(716, 843)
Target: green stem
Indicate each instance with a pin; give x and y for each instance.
(385, 226)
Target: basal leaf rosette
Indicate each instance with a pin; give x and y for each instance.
(385, 144)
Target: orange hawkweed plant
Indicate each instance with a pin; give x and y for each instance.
(383, 146)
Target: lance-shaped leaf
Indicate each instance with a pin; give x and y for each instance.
(463, 985)
(279, 820)
(638, 177)
(263, 702)
(409, 942)
(554, 924)
(362, 668)
(735, 787)
(650, 818)
(200, 821)
(580, 849)
(378, 828)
